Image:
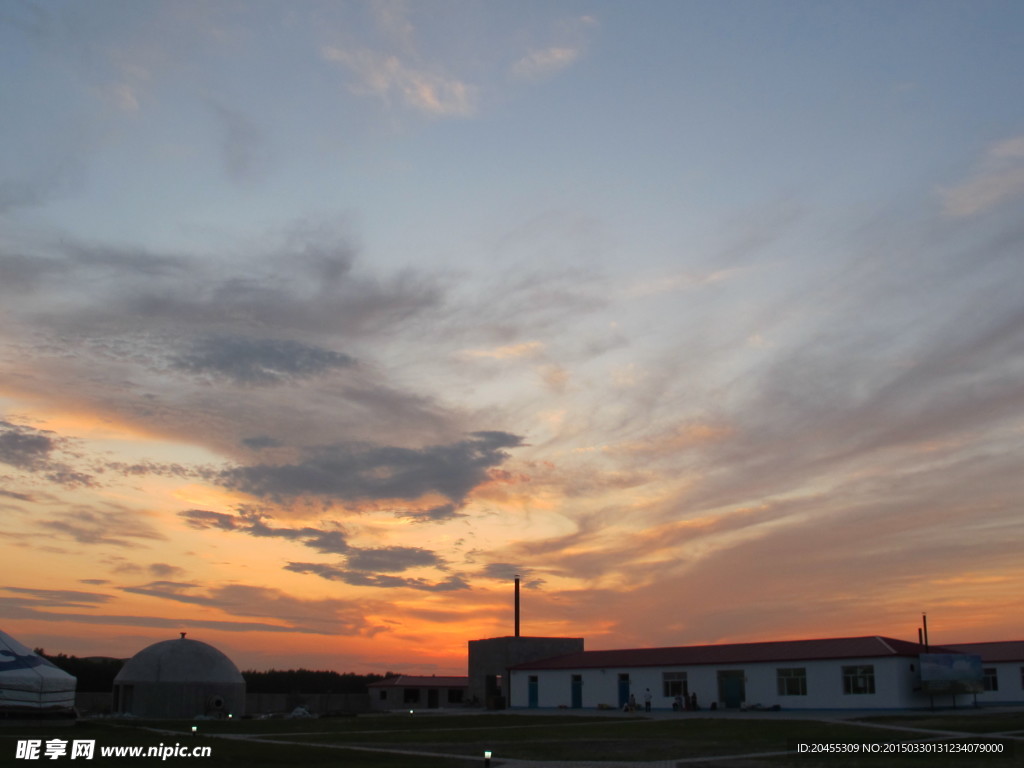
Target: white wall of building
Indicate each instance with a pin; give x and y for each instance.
(895, 680)
(1009, 679)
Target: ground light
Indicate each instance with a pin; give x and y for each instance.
(195, 728)
(487, 758)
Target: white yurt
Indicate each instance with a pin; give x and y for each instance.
(30, 686)
(180, 678)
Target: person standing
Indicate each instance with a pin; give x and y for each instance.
(647, 700)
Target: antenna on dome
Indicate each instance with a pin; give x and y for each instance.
(182, 635)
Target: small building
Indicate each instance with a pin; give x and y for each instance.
(176, 679)
(1002, 670)
(418, 692)
(491, 659)
(836, 673)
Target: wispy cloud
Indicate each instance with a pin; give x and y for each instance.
(105, 523)
(323, 616)
(244, 149)
(540, 63)
(999, 177)
(388, 77)
(60, 598)
(522, 349)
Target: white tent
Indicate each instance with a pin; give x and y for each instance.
(31, 684)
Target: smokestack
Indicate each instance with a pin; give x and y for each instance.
(517, 605)
(924, 621)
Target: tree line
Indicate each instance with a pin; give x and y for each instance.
(97, 673)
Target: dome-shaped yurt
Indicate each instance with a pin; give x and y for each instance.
(179, 679)
(30, 686)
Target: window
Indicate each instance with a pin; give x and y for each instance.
(673, 684)
(455, 695)
(792, 681)
(990, 679)
(859, 679)
(411, 695)
(383, 695)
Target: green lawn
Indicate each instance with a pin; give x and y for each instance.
(311, 743)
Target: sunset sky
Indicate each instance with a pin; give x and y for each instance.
(320, 320)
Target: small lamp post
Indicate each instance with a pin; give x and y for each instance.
(194, 729)
(487, 758)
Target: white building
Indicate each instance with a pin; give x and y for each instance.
(836, 673)
(1002, 670)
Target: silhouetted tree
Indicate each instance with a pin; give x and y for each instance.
(309, 681)
(94, 673)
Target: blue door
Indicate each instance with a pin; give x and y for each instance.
(731, 687)
(534, 685)
(577, 691)
(623, 690)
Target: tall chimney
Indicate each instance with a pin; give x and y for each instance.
(517, 605)
(924, 621)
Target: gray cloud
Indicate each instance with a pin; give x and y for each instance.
(285, 317)
(201, 519)
(259, 361)
(358, 472)
(392, 559)
(252, 523)
(261, 442)
(163, 570)
(25, 448)
(361, 579)
(32, 450)
(360, 561)
(304, 284)
(433, 515)
(14, 495)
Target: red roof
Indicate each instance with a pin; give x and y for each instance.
(738, 653)
(421, 681)
(1010, 650)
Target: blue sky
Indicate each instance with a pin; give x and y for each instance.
(328, 317)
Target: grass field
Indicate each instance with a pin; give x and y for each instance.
(460, 740)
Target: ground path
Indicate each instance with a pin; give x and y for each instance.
(851, 718)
